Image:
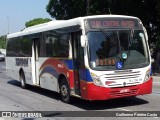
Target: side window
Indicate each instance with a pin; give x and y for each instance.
(25, 47)
(62, 45)
(56, 45)
(19, 47)
(11, 51)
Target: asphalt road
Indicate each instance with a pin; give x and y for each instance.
(14, 98)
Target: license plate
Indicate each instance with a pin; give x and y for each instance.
(135, 80)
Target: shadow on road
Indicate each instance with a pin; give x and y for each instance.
(109, 104)
(35, 89)
(84, 104)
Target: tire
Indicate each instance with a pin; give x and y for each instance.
(64, 91)
(22, 80)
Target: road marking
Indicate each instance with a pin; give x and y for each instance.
(156, 117)
(155, 92)
(123, 109)
(156, 76)
(156, 82)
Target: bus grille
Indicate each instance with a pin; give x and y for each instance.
(122, 75)
(128, 77)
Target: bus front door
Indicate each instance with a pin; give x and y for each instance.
(78, 58)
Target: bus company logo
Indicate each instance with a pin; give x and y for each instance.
(124, 90)
(22, 62)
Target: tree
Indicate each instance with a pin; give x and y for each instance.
(158, 6)
(66, 9)
(158, 9)
(3, 42)
(36, 21)
(146, 10)
(98, 7)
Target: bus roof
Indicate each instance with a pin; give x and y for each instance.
(61, 23)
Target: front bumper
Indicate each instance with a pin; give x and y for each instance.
(89, 91)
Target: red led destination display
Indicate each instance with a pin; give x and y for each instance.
(113, 23)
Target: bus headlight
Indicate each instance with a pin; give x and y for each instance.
(147, 76)
(96, 80)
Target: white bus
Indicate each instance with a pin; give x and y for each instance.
(94, 57)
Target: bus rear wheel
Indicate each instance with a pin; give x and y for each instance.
(65, 91)
(22, 80)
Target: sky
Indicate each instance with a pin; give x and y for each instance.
(15, 13)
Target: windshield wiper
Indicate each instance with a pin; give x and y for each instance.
(115, 42)
(108, 36)
(130, 41)
(131, 38)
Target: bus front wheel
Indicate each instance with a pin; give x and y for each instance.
(22, 80)
(65, 91)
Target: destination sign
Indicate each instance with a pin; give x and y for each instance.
(113, 23)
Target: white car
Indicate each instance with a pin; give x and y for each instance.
(2, 56)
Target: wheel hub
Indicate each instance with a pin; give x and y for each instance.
(64, 90)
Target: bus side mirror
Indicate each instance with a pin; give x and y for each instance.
(83, 41)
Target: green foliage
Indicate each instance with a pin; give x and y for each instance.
(36, 21)
(66, 9)
(98, 7)
(3, 42)
(158, 41)
(158, 6)
(147, 10)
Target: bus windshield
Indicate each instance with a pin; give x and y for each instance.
(125, 47)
